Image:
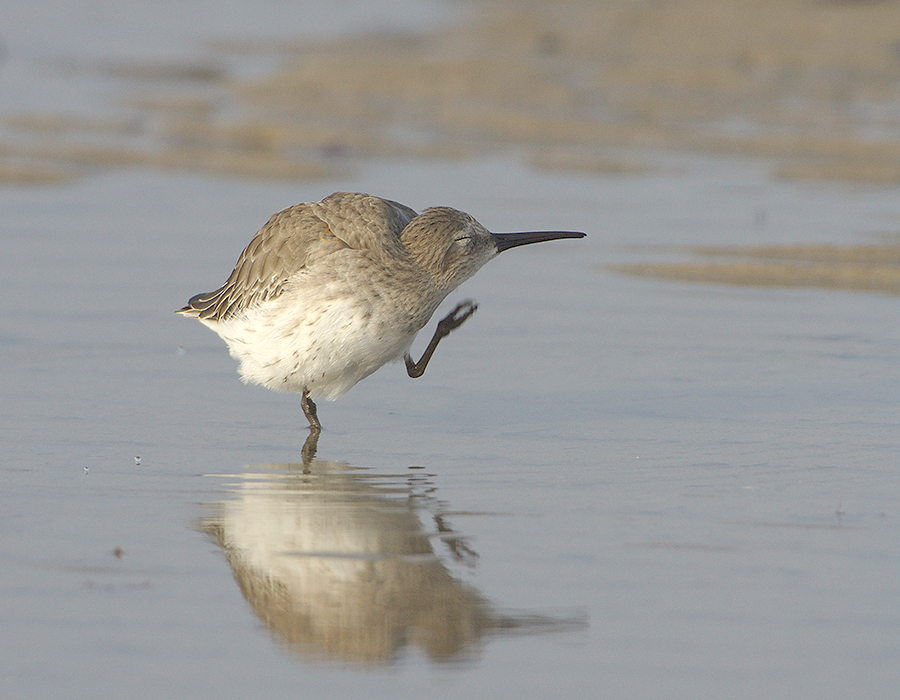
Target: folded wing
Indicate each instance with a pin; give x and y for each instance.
(293, 239)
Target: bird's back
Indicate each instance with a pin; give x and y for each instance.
(295, 238)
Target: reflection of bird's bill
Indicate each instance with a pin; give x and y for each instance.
(505, 241)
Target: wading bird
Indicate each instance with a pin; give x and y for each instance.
(327, 292)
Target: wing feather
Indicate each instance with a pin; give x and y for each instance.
(295, 238)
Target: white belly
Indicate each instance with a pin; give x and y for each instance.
(325, 347)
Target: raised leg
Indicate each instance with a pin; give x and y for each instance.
(449, 323)
(309, 410)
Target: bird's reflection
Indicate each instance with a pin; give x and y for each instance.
(337, 563)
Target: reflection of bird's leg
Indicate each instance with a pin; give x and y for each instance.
(308, 453)
(309, 410)
(457, 545)
(449, 323)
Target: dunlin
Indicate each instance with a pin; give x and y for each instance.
(327, 292)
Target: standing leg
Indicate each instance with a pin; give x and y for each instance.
(309, 410)
(449, 323)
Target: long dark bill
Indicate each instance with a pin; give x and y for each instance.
(504, 241)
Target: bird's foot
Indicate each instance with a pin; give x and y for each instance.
(449, 323)
(456, 318)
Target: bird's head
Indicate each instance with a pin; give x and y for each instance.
(452, 246)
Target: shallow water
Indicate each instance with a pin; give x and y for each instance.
(670, 489)
(604, 485)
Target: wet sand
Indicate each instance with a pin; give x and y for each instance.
(873, 268)
(812, 87)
